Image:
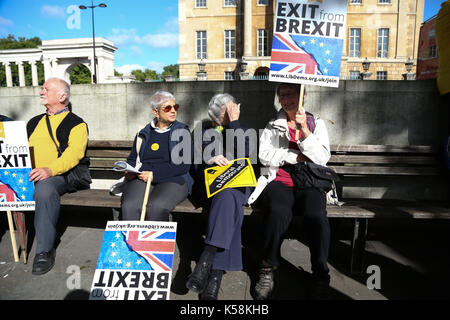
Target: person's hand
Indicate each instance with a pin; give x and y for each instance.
(130, 175)
(219, 160)
(233, 110)
(144, 175)
(39, 174)
(302, 125)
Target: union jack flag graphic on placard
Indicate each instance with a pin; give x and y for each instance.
(7, 194)
(156, 247)
(287, 56)
(137, 249)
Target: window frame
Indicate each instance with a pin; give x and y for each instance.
(382, 53)
(201, 2)
(350, 49)
(262, 43)
(382, 75)
(201, 54)
(231, 47)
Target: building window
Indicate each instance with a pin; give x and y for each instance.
(263, 2)
(229, 75)
(354, 75)
(230, 3)
(355, 42)
(201, 44)
(355, 1)
(381, 75)
(432, 52)
(384, 1)
(230, 44)
(200, 3)
(383, 41)
(263, 45)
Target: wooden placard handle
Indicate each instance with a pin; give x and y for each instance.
(13, 236)
(147, 191)
(300, 106)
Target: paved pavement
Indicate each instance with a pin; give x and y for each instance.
(412, 256)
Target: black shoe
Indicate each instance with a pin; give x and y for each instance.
(198, 279)
(264, 286)
(211, 291)
(43, 262)
(320, 288)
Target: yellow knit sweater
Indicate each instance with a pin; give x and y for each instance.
(45, 152)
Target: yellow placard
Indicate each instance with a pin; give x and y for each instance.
(239, 173)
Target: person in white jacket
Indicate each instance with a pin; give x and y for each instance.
(281, 200)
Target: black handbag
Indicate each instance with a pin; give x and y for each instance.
(310, 175)
(79, 177)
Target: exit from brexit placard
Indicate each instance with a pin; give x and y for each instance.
(307, 41)
(16, 191)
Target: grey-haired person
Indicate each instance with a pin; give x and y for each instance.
(222, 245)
(171, 182)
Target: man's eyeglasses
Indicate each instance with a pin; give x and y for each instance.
(169, 107)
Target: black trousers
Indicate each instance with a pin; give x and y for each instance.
(281, 203)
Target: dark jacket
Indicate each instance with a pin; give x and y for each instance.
(198, 197)
(164, 170)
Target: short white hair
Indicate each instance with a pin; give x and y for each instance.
(216, 105)
(160, 97)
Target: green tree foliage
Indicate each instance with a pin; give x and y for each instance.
(147, 74)
(171, 70)
(9, 43)
(80, 74)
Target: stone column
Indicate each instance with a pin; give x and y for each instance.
(34, 74)
(248, 28)
(21, 73)
(8, 74)
(47, 69)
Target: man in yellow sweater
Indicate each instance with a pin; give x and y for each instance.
(71, 134)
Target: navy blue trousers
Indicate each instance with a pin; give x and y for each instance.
(226, 214)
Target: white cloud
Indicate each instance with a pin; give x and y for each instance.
(155, 65)
(123, 37)
(136, 51)
(5, 22)
(129, 67)
(53, 11)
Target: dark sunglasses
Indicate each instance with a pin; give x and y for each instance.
(169, 107)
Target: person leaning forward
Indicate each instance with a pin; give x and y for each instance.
(222, 246)
(71, 134)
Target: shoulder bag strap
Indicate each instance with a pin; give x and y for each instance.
(49, 127)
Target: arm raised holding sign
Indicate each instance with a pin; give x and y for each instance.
(294, 136)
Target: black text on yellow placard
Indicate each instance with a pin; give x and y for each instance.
(239, 173)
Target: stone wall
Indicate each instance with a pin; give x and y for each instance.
(365, 112)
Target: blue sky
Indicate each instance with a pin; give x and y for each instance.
(145, 31)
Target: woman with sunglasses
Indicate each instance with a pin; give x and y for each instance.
(222, 251)
(171, 180)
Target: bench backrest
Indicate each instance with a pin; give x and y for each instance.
(367, 171)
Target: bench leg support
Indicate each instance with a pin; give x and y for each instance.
(115, 214)
(358, 244)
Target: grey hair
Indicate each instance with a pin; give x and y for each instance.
(216, 105)
(65, 87)
(159, 97)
